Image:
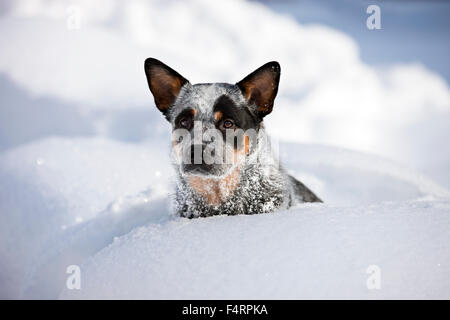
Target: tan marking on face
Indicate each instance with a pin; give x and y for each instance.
(246, 144)
(214, 190)
(218, 116)
(239, 154)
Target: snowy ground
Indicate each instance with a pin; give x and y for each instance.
(85, 177)
(77, 201)
(310, 252)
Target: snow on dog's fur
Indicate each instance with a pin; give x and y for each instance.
(221, 151)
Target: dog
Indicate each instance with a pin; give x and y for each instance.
(216, 121)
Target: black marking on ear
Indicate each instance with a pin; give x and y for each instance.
(164, 83)
(261, 87)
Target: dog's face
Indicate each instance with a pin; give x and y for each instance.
(214, 125)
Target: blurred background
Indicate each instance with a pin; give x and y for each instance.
(75, 69)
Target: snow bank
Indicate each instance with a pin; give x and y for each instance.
(51, 188)
(63, 200)
(348, 177)
(313, 251)
(327, 94)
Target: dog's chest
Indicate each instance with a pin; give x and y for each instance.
(255, 193)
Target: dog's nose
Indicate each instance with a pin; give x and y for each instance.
(198, 165)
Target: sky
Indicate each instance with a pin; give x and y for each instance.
(411, 31)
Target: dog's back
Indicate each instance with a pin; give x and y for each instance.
(302, 191)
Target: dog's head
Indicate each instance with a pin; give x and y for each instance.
(214, 124)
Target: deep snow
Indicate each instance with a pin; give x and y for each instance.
(313, 251)
(84, 159)
(64, 200)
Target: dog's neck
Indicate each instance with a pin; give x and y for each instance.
(248, 189)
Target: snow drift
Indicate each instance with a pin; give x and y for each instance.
(327, 94)
(85, 176)
(64, 200)
(313, 251)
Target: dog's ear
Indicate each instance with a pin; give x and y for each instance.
(261, 86)
(164, 83)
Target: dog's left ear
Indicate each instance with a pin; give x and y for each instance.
(164, 83)
(261, 86)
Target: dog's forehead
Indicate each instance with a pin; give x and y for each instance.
(202, 97)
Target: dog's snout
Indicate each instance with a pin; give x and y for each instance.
(197, 161)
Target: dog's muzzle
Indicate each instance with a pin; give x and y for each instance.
(194, 161)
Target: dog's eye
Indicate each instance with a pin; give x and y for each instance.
(228, 124)
(185, 122)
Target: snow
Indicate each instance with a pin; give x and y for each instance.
(327, 94)
(64, 201)
(309, 252)
(51, 188)
(85, 175)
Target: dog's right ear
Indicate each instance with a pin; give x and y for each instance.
(164, 83)
(261, 86)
